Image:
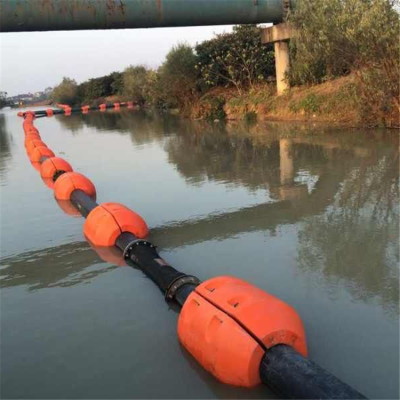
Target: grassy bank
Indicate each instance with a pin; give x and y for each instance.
(337, 101)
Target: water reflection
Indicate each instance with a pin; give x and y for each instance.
(356, 240)
(59, 266)
(5, 148)
(340, 190)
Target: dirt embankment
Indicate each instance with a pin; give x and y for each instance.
(337, 102)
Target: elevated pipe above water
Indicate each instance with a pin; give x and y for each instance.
(59, 15)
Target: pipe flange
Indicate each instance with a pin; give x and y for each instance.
(178, 283)
(130, 248)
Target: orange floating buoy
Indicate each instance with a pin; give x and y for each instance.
(47, 181)
(107, 221)
(32, 130)
(219, 343)
(28, 126)
(102, 107)
(53, 167)
(32, 144)
(85, 109)
(30, 137)
(36, 165)
(71, 181)
(49, 112)
(220, 326)
(117, 105)
(39, 152)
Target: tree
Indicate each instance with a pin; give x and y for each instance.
(178, 75)
(3, 99)
(97, 88)
(236, 59)
(342, 36)
(66, 92)
(135, 83)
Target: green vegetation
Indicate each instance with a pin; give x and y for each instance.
(339, 37)
(232, 60)
(98, 88)
(66, 92)
(235, 59)
(345, 66)
(3, 99)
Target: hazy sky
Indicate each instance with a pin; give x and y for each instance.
(30, 62)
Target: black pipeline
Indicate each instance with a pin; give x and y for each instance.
(281, 366)
(282, 369)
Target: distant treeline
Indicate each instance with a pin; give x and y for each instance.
(336, 38)
(236, 59)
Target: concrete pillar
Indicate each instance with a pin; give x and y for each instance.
(279, 35)
(282, 65)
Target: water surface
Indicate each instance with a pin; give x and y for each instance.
(308, 214)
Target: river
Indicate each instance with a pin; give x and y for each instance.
(307, 213)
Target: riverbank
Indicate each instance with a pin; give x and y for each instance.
(337, 102)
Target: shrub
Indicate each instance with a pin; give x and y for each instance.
(135, 83)
(342, 36)
(3, 99)
(236, 59)
(178, 76)
(100, 87)
(66, 92)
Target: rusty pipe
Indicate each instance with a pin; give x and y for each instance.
(60, 15)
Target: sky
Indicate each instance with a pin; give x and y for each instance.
(32, 61)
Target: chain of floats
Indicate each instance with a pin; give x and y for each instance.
(237, 332)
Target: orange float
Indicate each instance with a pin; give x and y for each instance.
(36, 165)
(49, 112)
(221, 326)
(32, 144)
(85, 109)
(39, 152)
(71, 181)
(47, 181)
(53, 167)
(117, 105)
(30, 137)
(28, 126)
(107, 221)
(102, 107)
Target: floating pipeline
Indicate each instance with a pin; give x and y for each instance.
(236, 331)
(68, 110)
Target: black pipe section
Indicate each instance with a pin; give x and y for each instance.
(183, 293)
(293, 376)
(145, 256)
(82, 202)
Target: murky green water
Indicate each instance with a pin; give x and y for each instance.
(309, 215)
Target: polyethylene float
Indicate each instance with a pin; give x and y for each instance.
(236, 331)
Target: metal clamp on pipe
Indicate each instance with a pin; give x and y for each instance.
(178, 283)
